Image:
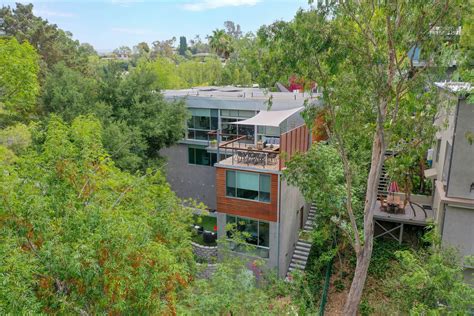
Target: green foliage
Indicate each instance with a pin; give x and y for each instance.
(383, 256)
(221, 43)
(17, 138)
(52, 43)
(19, 84)
(319, 175)
(69, 93)
(235, 290)
(183, 45)
(137, 121)
(80, 236)
(432, 283)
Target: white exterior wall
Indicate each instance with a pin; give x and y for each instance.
(458, 229)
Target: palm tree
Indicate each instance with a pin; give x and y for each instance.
(221, 43)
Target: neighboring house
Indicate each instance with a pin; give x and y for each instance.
(453, 169)
(240, 178)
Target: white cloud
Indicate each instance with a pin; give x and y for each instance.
(49, 13)
(129, 31)
(202, 5)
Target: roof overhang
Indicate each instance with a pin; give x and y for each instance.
(269, 118)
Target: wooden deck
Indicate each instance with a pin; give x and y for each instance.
(415, 216)
(393, 224)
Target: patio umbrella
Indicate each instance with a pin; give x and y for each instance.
(393, 187)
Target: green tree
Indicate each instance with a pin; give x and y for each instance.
(233, 29)
(234, 289)
(163, 48)
(165, 70)
(68, 93)
(197, 46)
(358, 54)
(431, 282)
(123, 51)
(183, 45)
(141, 50)
(221, 43)
(19, 86)
(77, 235)
(136, 101)
(51, 43)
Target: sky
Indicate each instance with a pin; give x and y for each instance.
(109, 24)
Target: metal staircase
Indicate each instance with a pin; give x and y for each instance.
(303, 247)
(384, 181)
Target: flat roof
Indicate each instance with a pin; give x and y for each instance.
(244, 98)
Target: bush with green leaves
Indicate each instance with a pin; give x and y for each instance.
(431, 281)
(79, 236)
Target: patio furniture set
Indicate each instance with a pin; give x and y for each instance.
(262, 157)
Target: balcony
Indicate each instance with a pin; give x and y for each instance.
(242, 153)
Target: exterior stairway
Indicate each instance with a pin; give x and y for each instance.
(384, 181)
(301, 253)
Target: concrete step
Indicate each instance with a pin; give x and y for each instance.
(297, 266)
(303, 244)
(299, 260)
(301, 256)
(302, 249)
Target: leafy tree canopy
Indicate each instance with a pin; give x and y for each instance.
(19, 86)
(80, 236)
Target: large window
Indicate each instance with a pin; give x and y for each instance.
(199, 156)
(201, 123)
(232, 116)
(248, 185)
(266, 132)
(254, 232)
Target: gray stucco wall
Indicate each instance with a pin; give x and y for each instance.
(291, 201)
(190, 181)
(462, 164)
(458, 229)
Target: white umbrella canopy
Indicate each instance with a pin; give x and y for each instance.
(269, 118)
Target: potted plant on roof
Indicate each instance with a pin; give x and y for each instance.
(213, 143)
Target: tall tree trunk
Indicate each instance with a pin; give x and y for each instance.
(360, 275)
(365, 252)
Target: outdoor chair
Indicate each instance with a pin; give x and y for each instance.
(241, 156)
(260, 157)
(272, 158)
(251, 158)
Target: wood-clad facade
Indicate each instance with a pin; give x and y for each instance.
(246, 208)
(293, 141)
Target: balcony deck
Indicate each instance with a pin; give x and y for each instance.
(236, 161)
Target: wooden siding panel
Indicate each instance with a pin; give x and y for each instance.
(246, 208)
(292, 142)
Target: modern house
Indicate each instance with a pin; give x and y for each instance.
(232, 159)
(452, 172)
